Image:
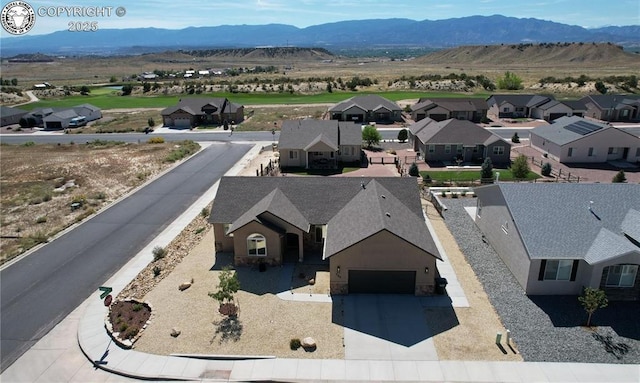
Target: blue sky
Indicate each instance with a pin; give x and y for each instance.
(177, 14)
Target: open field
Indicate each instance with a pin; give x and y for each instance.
(35, 204)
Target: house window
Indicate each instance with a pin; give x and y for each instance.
(257, 245)
(432, 148)
(293, 154)
(570, 152)
(613, 151)
(622, 275)
(558, 270)
(331, 154)
(459, 150)
(506, 109)
(590, 152)
(447, 148)
(498, 150)
(520, 109)
(638, 152)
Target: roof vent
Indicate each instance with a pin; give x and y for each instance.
(388, 214)
(362, 185)
(383, 196)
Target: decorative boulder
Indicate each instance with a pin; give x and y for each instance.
(175, 332)
(183, 286)
(312, 281)
(308, 343)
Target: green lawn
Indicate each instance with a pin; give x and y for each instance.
(472, 175)
(106, 98)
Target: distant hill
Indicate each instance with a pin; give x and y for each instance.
(473, 30)
(532, 54)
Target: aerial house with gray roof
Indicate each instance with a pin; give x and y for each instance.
(578, 140)
(557, 239)
(319, 144)
(366, 109)
(371, 231)
(193, 111)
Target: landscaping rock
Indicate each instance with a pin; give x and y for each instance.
(183, 286)
(308, 343)
(175, 332)
(312, 281)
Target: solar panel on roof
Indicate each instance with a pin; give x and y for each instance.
(582, 127)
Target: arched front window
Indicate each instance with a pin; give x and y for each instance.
(257, 245)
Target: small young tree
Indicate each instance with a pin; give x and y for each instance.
(127, 89)
(403, 135)
(413, 170)
(520, 167)
(593, 299)
(371, 136)
(84, 90)
(510, 81)
(228, 285)
(619, 177)
(151, 122)
(487, 168)
(515, 138)
(546, 169)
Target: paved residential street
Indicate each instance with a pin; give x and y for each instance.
(43, 288)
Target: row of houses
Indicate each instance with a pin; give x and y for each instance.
(52, 118)
(554, 238)
(376, 109)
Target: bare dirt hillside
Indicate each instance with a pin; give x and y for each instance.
(543, 54)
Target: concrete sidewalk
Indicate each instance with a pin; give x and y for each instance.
(61, 357)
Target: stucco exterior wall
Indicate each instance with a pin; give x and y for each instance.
(600, 142)
(286, 160)
(543, 145)
(274, 245)
(383, 251)
(551, 287)
(491, 217)
(346, 150)
(223, 243)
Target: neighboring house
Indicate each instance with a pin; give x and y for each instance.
(193, 111)
(366, 109)
(440, 109)
(452, 140)
(10, 115)
(59, 118)
(578, 140)
(514, 105)
(557, 239)
(315, 144)
(553, 109)
(613, 107)
(371, 230)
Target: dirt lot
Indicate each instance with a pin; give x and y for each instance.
(41, 182)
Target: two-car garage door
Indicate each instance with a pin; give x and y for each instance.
(381, 282)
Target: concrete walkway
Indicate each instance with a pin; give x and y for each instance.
(62, 357)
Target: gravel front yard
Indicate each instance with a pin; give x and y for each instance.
(545, 328)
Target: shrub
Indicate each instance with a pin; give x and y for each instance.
(136, 307)
(520, 167)
(295, 343)
(515, 138)
(204, 212)
(156, 140)
(42, 219)
(159, 253)
(619, 177)
(426, 178)
(403, 135)
(29, 143)
(151, 122)
(80, 198)
(487, 168)
(413, 170)
(156, 270)
(546, 169)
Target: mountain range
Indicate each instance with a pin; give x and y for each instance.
(473, 30)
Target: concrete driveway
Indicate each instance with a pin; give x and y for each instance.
(386, 327)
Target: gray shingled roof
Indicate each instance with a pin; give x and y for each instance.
(277, 204)
(193, 105)
(516, 99)
(452, 104)
(608, 101)
(318, 199)
(571, 221)
(369, 102)
(558, 133)
(6, 111)
(61, 115)
(452, 131)
(372, 210)
(631, 224)
(300, 134)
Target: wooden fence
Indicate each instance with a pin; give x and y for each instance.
(558, 174)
